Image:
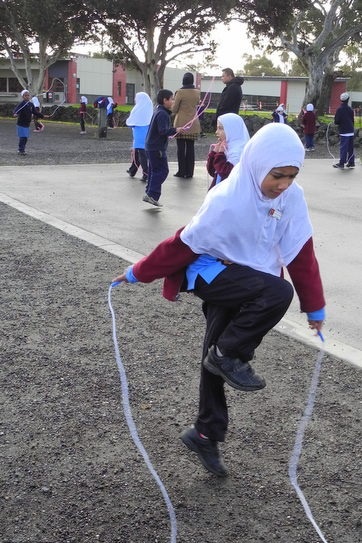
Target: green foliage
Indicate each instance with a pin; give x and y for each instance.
(315, 32)
(50, 27)
(297, 69)
(260, 65)
(149, 34)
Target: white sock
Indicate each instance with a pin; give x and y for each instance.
(217, 351)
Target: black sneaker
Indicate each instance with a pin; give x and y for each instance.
(235, 372)
(339, 166)
(350, 165)
(206, 450)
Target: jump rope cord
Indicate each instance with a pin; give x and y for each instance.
(295, 456)
(297, 450)
(204, 104)
(201, 108)
(131, 424)
(327, 141)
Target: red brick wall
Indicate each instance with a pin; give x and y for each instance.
(337, 89)
(119, 84)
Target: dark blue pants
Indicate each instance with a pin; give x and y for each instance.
(241, 305)
(346, 152)
(157, 173)
(22, 144)
(309, 141)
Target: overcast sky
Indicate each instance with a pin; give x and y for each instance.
(233, 44)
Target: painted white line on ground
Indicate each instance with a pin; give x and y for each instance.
(286, 326)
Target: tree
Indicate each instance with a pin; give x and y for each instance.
(39, 32)
(149, 34)
(316, 34)
(260, 65)
(297, 69)
(353, 67)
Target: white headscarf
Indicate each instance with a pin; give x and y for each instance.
(237, 222)
(24, 92)
(110, 105)
(35, 101)
(142, 112)
(236, 134)
(310, 107)
(83, 100)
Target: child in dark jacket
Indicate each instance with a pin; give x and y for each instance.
(156, 146)
(344, 119)
(24, 112)
(82, 113)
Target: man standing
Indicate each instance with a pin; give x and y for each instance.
(231, 95)
(344, 118)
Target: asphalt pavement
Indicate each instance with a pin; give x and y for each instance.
(102, 205)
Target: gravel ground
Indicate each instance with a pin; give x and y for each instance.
(61, 143)
(70, 471)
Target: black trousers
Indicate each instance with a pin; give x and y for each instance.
(139, 159)
(241, 305)
(185, 157)
(22, 144)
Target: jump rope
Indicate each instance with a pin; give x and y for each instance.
(204, 104)
(297, 449)
(46, 91)
(131, 424)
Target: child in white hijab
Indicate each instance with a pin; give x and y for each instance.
(236, 245)
(38, 126)
(232, 137)
(139, 119)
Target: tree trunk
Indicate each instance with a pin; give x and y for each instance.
(314, 85)
(151, 80)
(325, 94)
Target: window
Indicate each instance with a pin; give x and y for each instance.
(3, 84)
(130, 93)
(14, 85)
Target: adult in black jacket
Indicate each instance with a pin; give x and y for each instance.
(231, 95)
(344, 119)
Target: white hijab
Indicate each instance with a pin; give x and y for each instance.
(142, 112)
(236, 134)
(35, 101)
(237, 222)
(110, 104)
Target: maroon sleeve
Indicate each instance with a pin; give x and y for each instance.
(210, 163)
(222, 166)
(218, 165)
(304, 273)
(170, 257)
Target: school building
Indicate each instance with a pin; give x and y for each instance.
(78, 75)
